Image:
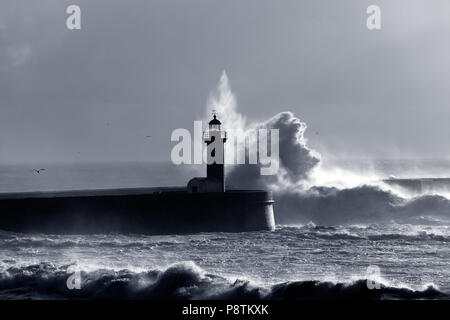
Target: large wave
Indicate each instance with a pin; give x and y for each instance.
(306, 191)
(363, 204)
(183, 281)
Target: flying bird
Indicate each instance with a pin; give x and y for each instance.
(148, 136)
(38, 170)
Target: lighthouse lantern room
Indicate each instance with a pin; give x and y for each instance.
(215, 139)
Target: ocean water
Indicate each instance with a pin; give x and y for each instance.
(371, 240)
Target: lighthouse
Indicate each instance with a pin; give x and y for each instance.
(215, 139)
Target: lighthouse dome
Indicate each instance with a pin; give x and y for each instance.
(215, 121)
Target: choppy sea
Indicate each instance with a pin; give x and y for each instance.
(356, 242)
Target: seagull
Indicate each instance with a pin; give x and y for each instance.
(38, 170)
(148, 136)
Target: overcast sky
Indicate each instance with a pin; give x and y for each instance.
(141, 68)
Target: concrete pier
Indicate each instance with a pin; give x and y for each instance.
(136, 210)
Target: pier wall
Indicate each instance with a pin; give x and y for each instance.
(158, 212)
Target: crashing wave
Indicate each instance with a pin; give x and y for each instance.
(364, 204)
(183, 281)
(306, 191)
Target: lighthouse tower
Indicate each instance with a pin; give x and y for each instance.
(215, 139)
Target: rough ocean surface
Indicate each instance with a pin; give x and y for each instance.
(293, 262)
(331, 237)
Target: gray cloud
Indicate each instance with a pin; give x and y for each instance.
(147, 67)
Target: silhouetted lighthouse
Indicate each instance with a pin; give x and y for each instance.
(215, 140)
